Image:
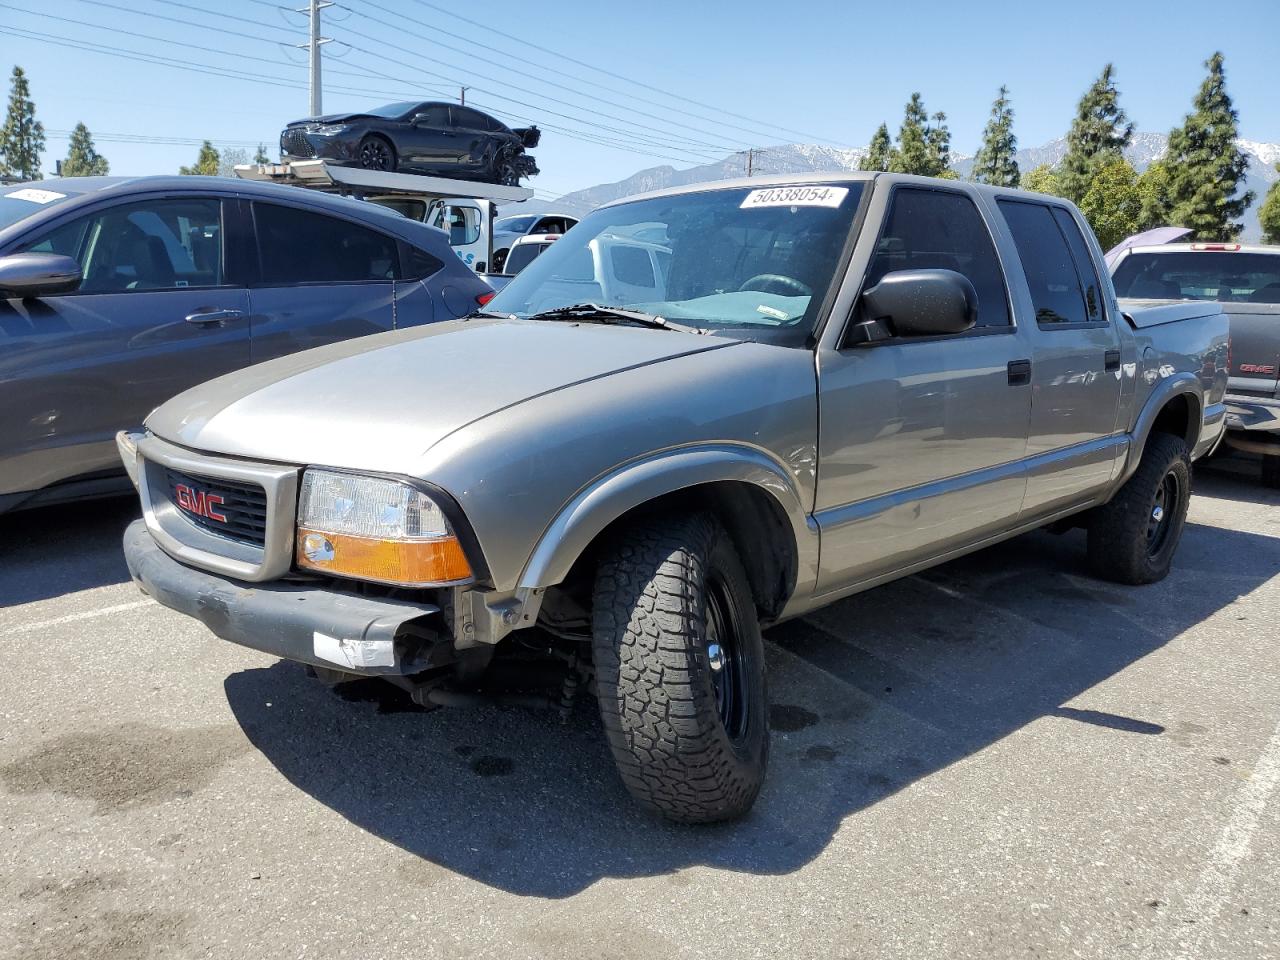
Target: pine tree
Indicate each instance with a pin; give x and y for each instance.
(206, 164)
(1098, 136)
(923, 148)
(83, 160)
(1269, 214)
(877, 156)
(1153, 187)
(996, 162)
(22, 136)
(261, 156)
(1205, 165)
(938, 139)
(911, 153)
(1041, 179)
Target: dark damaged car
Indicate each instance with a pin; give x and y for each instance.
(436, 139)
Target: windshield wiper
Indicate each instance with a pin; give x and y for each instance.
(599, 313)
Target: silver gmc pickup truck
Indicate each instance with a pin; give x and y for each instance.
(701, 412)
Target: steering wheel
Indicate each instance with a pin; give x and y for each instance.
(764, 281)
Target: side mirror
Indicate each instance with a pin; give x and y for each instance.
(420, 119)
(38, 275)
(916, 303)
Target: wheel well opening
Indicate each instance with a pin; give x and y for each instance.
(755, 521)
(1179, 417)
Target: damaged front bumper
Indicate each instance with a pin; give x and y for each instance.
(296, 621)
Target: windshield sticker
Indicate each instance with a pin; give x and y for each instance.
(36, 196)
(795, 197)
(769, 311)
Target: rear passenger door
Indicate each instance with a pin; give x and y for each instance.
(1076, 359)
(321, 278)
(921, 439)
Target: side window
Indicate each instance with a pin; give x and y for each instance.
(436, 116)
(469, 119)
(147, 245)
(934, 229)
(462, 224)
(1046, 260)
(298, 246)
(631, 265)
(1084, 263)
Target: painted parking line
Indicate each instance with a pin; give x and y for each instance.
(76, 617)
(1218, 878)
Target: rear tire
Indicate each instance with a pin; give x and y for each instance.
(680, 671)
(1132, 539)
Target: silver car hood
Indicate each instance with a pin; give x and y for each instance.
(380, 402)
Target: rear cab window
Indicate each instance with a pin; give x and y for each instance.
(1225, 276)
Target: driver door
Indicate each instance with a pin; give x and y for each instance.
(922, 438)
(157, 312)
(428, 141)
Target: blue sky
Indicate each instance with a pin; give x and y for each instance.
(830, 71)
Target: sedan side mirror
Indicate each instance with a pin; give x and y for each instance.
(38, 275)
(420, 119)
(916, 303)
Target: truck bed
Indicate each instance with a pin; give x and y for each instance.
(1142, 314)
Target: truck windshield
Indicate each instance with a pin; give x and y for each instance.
(752, 263)
(1226, 276)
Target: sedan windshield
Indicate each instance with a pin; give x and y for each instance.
(514, 224)
(751, 263)
(392, 111)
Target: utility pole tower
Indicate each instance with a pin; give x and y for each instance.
(462, 95)
(312, 46)
(751, 157)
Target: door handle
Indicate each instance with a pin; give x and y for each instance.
(1111, 360)
(1019, 372)
(207, 317)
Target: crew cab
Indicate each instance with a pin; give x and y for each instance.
(831, 382)
(1245, 279)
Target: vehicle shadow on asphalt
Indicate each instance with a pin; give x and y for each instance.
(50, 551)
(869, 696)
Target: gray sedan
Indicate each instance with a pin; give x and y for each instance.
(117, 293)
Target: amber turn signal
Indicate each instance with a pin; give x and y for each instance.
(406, 563)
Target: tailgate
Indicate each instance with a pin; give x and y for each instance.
(1255, 347)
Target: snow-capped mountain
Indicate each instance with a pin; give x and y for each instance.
(811, 158)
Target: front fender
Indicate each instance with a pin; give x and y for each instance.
(1165, 390)
(610, 496)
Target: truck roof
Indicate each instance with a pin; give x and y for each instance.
(805, 179)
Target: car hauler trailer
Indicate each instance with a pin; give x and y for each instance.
(464, 209)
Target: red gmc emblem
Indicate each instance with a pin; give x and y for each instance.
(1257, 368)
(200, 503)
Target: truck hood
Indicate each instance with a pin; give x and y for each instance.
(380, 402)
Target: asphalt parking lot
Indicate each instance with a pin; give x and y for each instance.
(999, 758)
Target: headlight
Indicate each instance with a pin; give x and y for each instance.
(372, 528)
(329, 130)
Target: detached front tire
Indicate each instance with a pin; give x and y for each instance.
(1132, 538)
(680, 672)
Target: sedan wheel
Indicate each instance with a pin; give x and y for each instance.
(377, 154)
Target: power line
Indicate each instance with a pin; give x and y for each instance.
(489, 29)
(560, 86)
(259, 79)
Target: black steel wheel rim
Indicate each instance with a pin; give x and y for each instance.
(375, 155)
(1163, 508)
(726, 659)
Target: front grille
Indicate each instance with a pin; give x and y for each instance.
(243, 504)
(295, 144)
